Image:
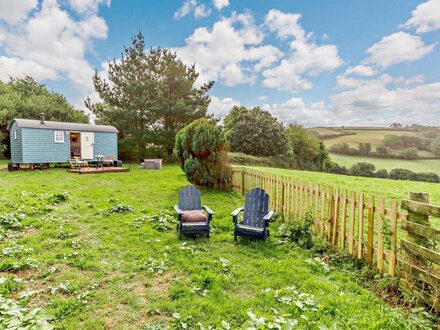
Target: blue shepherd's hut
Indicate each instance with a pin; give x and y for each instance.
(43, 142)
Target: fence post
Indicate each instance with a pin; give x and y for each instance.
(420, 219)
(242, 182)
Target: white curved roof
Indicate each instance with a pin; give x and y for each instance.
(29, 123)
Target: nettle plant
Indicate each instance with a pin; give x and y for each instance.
(121, 208)
(164, 220)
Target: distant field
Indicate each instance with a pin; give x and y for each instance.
(390, 189)
(431, 165)
(374, 136)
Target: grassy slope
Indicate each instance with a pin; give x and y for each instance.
(431, 165)
(374, 136)
(79, 243)
(390, 189)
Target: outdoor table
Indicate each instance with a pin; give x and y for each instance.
(99, 158)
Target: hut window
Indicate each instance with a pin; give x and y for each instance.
(15, 135)
(59, 136)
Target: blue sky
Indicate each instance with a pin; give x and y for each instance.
(312, 62)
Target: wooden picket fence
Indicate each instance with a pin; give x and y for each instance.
(398, 242)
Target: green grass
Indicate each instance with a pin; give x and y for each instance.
(431, 165)
(390, 189)
(95, 269)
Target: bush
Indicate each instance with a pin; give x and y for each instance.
(336, 169)
(363, 169)
(410, 153)
(239, 158)
(382, 173)
(383, 151)
(435, 147)
(402, 174)
(201, 150)
(427, 177)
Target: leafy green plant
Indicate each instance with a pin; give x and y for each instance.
(12, 221)
(299, 232)
(121, 208)
(59, 198)
(163, 220)
(9, 284)
(13, 316)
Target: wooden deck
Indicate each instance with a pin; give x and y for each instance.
(99, 170)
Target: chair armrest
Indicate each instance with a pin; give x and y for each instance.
(237, 211)
(269, 215)
(207, 209)
(178, 211)
(235, 214)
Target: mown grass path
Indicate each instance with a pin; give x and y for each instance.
(95, 267)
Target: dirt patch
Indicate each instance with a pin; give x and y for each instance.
(161, 284)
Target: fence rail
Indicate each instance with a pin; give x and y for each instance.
(399, 242)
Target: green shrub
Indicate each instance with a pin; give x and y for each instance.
(410, 153)
(382, 173)
(402, 174)
(363, 169)
(201, 150)
(299, 232)
(239, 158)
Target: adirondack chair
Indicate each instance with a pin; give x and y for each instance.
(191, 218)
(256, 215)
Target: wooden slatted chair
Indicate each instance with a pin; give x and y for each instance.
(192, 219)
(256, 215)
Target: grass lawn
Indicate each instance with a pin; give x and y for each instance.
(431, 165)
(93, 260)
(390, 189)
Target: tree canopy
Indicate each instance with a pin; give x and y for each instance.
(255, 132)
(149, 96)
(25, 98)
(308, 152)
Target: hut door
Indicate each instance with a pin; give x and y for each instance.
(87, 140)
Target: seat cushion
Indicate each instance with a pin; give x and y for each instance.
(193, 216)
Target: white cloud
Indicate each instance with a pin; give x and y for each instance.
(14, 11)
(306, 58)
(87, 6)
(49, 44)
(262, 98)
(396, 48)
(219, 4)
(233, 75)
(285, 25)
(361, 70)
(425, 18)
(221, 107)
(296, 110)
(15, 67)
(388, 99)
(192, 6)
(231, 51)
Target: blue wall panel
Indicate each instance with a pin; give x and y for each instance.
(39, 146)
(16, 144)
(106, 144)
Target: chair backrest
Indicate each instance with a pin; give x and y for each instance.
(256, 207)
(189, 199)
(77, 159)
(109, 157)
